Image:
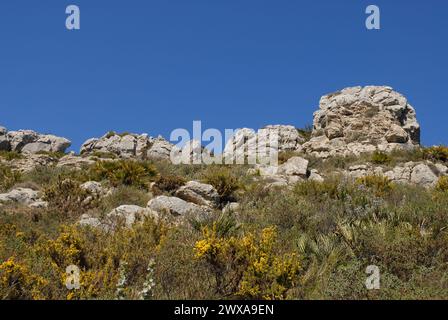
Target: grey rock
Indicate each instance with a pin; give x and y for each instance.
(199, 193)
(28, 141)
(23, 196)
(423, 175)
(358, 120)
(177, 207)
(295, 166)
(130, 214)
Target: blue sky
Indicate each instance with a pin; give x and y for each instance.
(153, 66)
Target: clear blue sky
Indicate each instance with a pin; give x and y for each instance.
(153, 66)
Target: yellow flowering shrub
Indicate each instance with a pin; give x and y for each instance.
(17, 282)
(248, 267)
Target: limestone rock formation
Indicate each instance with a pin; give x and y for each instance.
(358, 120)
(128, 145)
(28, 141)
(246, 141)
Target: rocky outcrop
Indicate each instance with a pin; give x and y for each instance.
(295, 169)
(425, 173)
(129, 145)
(248, 142)
(126, 215)
(359, 120)
(31, 161)
(28, 141)
(22, 196)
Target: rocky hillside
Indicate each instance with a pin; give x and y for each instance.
(355, 189)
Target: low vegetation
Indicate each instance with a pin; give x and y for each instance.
(311, 241)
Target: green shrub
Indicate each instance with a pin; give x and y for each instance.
(124, 172)
(125, 195)
(379, 184)
(55, 155)
(168, 184)
(225, 182)
(379, 157)
(67, 198)
(8, 177)
(10, 155)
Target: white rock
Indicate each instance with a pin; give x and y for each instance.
(176, 207)
(295, 166)
(130, 214)
(423, 175)
(24, 196)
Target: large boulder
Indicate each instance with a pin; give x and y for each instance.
(24, 196)
(358, 120)
(199, 193)
(28, 141)
(128, 145)
(130, 214)
(295, 166)
(177, 207)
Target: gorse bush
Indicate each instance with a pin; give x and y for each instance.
(248, 267)
(124, 172)
(18, 283)
(8, 177)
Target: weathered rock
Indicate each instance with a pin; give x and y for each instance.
(31, 161)
(315, 176)
(160, 149)
(359, 120)
(295, 166)
(177, 207)
(72, 161)
(423, 175)
(130, 214)
(93, 187)
(23, 196)
(87, 220)
(266, 141)
(124, 145)
(28, 141)
(199, 193)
